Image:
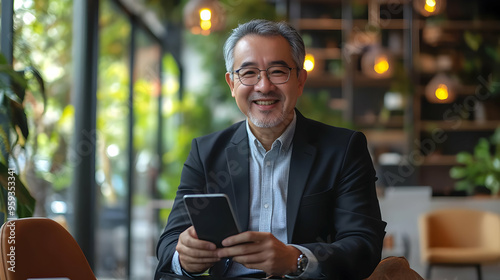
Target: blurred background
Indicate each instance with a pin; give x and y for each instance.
(113, 91)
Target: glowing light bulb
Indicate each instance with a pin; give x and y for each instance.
(309, 62)
(205, 14)
(430, 6)
(205, 24)
(442, 92)
(381, 65)
(205, 19)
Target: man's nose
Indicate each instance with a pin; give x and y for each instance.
(264, 85)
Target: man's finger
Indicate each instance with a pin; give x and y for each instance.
(189, 239)
(245, 237)
(198, 260)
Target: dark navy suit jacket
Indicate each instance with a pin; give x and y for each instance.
(332, 206)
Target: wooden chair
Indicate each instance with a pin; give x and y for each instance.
(394, 268)
(459, 237)
(40, 248)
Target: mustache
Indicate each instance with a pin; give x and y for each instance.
(269, 95)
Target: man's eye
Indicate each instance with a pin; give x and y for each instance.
(277, 71)
(247, 73)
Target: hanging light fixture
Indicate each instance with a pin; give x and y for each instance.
(377, 63)
(429, 7)
(440, 89)
(203, 16)
(309, 62)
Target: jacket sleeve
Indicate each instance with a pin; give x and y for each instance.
(192, 181)
(354, 249)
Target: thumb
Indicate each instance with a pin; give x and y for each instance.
(192, 232)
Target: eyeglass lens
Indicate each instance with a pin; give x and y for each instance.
(276, 74)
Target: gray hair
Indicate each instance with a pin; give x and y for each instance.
(265, 28)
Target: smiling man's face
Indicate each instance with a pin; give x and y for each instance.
(266, 105)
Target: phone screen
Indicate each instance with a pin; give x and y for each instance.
(212, 217)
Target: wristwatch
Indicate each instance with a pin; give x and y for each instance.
(301, 264)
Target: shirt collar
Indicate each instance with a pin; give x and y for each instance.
(285, 138)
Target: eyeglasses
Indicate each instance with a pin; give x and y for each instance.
(277, 75)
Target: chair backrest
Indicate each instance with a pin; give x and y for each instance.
(40, 248)
(490, 236)
(461, 227)
(394, 268)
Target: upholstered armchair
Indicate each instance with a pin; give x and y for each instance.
(459, 237)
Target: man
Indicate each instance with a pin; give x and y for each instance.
(303, 192)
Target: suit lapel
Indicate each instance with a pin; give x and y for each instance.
(237, 160)
(303, 155)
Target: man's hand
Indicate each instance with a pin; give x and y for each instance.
(195, 255)
(261, 250)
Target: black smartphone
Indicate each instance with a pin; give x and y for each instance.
(212, 216)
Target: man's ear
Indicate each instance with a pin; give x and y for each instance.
(302, 80)
(230, 83)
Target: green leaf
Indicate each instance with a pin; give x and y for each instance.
(480, 180)
(11, 95)
(40, 82)
(457, 172)
(3, 206)
(19, 119)
(4, 145)
(495, 138)
(496, 164)
(493, 53)
(464, 157)
(474, 41)
(464, 186)
(25, 202)
(482, 149)
(492, 183)
(15, 76)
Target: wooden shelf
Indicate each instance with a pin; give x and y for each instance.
(489, 25)
(460, 25)
(385, 137)
(320, 24)
(326, 53)
(459, 125)
(352, 85)
(461, 90)
(322, 80)
(440, 160)
(336, 24)
(394, 122)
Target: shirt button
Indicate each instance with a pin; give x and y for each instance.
(266, 205)
(268, 163)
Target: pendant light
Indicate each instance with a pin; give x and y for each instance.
(203, 16)
(429, 7)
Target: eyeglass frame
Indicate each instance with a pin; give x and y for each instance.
(259, 77)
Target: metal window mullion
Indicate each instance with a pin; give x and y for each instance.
(7, 45)
(84, 99)
(6, 48)
(131, 151)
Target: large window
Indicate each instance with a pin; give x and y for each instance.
(146, 159)
(42, 40)
(137, 86)
(112, 141)
(128, 159)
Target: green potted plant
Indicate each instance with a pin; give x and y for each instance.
(480, 168)
(15, 199)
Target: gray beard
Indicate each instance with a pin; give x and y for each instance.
(266, 123)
